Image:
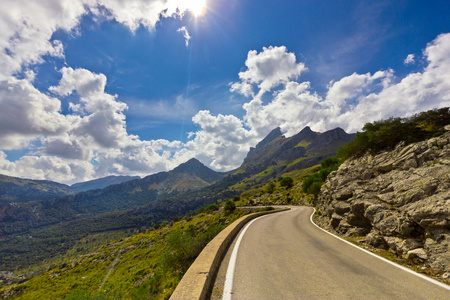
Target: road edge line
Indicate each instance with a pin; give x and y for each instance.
(228, 286)
(438, 283)
(197, 282)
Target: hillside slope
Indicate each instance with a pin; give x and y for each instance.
(191, 175)
(397, 200)
(58, 224)
(277, 155)
(14, 189)
(100, 183)
(148, 265)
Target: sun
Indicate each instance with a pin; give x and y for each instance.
(197, 7)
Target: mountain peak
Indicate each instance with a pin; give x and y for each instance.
(191, 164)
(196, 168)
(270, 137)
(330, 141)
(307, 129)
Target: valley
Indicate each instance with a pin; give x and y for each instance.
(41, 236)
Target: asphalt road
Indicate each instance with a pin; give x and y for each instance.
(285, 256)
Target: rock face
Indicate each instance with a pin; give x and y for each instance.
(399, 200)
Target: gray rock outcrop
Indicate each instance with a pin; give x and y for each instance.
(398, 200)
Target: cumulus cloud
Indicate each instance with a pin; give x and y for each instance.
(269, 68)
(349, 102)
(409, 59)
(222, 141)
(27, 114)
(47, 168)
(185, 33)
(27, 26)
(95, 128)
(356, 99)
(92, 139)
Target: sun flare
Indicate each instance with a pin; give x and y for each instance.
(197, 7)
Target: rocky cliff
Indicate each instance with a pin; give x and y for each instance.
(397, 200)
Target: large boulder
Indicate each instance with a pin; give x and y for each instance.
(398, 200)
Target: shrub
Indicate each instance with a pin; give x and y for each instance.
(314, 189)
(212, 207)
(229, 207)
(271, 188)
(287, 182)
(312, 183)
(386, 134)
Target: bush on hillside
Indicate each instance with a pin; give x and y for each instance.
(229, 207)
(287, 182)
(312, 183)
(385, 135)
(271, 188)
(212, 207)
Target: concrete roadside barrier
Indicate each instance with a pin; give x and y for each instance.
(198, 280)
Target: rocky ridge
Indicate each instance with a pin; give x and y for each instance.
(397, 200)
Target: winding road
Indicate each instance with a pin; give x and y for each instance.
(286, 256)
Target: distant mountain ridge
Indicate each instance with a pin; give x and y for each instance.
(189, 176)
(100, 183)
(307, 144)
(13, 189)
(302, 150)
(143, 202)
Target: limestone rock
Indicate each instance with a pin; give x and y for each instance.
(417, 255)
(399, 199)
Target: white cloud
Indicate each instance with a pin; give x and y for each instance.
(95, 128)
(357, 99)
(27, 27)
(242, 88)
(222, 141)
(168, 109)
(269, 68)
(47, 168)
(26, 114)
(185, 33)
(409, 59)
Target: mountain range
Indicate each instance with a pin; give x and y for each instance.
(13, 189)
(100, 183)
(143, 202)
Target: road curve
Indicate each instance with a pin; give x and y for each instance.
(285, 256)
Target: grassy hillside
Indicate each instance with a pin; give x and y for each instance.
(188, 177)
(34, 236)
(148, 265)
(14, 189)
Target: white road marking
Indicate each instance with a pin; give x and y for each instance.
(443, 285)
(227, 290)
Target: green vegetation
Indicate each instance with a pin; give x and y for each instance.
(287, 182)
(64, 230)
(312, 183)
(380, 136)
(212, 207)
(148, 265)
(229, 207)
(386, 134)
(20, 190)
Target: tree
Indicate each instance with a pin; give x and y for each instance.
(271, 188)
(287, 182)
(229, 207)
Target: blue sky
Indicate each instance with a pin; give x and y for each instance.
(94, 88)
